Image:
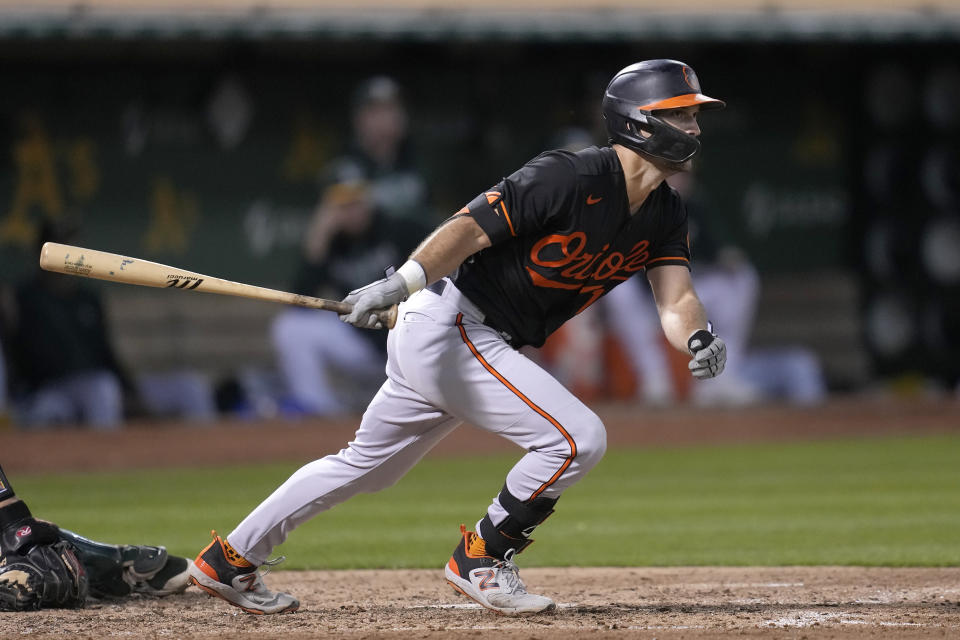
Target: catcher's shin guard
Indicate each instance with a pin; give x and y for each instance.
(115, 571)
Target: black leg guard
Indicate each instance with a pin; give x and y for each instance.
(103, 563)
(114, 569)
(514, 532)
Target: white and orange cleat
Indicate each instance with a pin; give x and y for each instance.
(222, 572)
(492, 582)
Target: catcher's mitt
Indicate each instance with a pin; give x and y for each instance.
(38, 570)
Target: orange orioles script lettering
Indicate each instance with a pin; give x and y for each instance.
(578, 270)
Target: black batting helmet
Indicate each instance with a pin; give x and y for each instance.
(644, 87)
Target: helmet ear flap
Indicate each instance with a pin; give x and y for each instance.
(648, 135)
(639, 128)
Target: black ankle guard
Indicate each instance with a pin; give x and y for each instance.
(514, 532)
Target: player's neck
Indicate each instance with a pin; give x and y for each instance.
(642, 176)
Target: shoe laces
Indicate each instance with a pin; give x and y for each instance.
(257, 584)
(509, 574)
(268, 565)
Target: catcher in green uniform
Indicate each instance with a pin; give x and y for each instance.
(43, 566)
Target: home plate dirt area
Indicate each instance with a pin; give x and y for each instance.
(699, 602)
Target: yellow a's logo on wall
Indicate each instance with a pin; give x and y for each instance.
(37, 190)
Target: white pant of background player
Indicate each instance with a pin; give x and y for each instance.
(445, 367)
(311, 346)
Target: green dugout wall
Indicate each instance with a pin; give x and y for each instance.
(204, 151)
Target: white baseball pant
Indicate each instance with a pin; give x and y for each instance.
(444, 367)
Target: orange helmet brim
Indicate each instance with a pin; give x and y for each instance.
(686, 100)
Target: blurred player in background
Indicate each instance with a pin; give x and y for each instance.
(506, 271)
(43, 566)
(382, 153)
(372, 212)
(63, 367)
(729, 286)
(329, 367)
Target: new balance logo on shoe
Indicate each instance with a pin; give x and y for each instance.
(492, 582)
(486, 579)
(250, 580)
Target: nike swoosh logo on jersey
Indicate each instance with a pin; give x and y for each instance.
(493, 197)
(592, 200)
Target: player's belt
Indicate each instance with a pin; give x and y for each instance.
(440, 286)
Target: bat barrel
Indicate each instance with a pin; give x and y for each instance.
(101, 265)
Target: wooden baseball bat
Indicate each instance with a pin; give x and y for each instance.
(89, 263)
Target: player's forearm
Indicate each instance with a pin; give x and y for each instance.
(681, 313)
(681, 319)
(449, 245)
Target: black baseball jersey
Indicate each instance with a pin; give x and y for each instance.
(562, 236)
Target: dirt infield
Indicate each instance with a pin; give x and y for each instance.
(702, 602)
(665, 603)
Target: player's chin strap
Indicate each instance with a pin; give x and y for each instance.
(514, 532)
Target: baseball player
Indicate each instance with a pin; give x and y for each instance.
(345, 246)
(505, 271)
(43, 566)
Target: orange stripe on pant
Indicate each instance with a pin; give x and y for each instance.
(528, 402)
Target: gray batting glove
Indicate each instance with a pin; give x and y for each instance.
(709, 354)
(381, 294)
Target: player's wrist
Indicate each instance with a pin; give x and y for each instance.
(414, 276)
